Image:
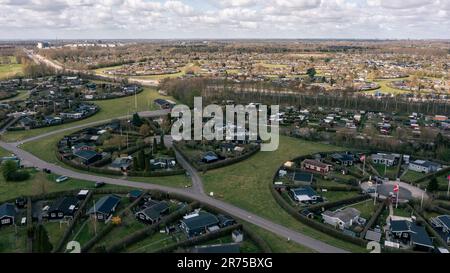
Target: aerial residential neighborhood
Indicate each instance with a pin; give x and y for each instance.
(241, 128)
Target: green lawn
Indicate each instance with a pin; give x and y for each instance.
(391, 172)
(403, 212)
(102, 71)
(385, 88)
(55, 231)
(411, 176)
(279, 244)
(10, 70)
(129, 225)
(332, 196)
(367, 208)
(443, 181)
(12, 242)
(155, 242)
(40, 183)
(109, 109)
(246, 185)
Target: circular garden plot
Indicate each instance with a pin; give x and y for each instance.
(56, 100)
(343, 194)
(122, 147)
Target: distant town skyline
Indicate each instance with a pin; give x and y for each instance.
(224, 19)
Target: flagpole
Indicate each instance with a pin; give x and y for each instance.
(421, 202)
(448, 189)
(376, 189)
(398, 193)
(364, 165)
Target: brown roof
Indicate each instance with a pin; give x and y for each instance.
(315, 163)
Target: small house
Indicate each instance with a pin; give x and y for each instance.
(385, 159)
(87, 157)
(7, 214)
(441, 224)
(424, 166)
(121, 164)
(342, 219)
(104, 208)
(63, 207)
(153, 212)
(315, 165)
(305, 195)
(343, 159)
(199, 223)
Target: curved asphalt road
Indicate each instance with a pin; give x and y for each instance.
(196, 192)
(282, 231)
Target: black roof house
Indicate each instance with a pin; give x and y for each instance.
(7, 214)
(63, 207)
(104, 207)
(153, 211)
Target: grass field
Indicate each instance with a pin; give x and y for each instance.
(10, 70)
(391, 172)
(246, 185)
(384, 88)
(367, 208)
(12, 242)
(332, 196)
(411, 176)
(55, 231)
(109, 109)
(40, 183)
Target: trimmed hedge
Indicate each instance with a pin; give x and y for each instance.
(118, 173)
(198, 239)
(30, 227)
(315, 224)
(429, 228)
(110, 226)
(218, 164)
(432, 175)
(75, 220)
(374, 217)
(338, 203)
(147, 231)
(257, 240)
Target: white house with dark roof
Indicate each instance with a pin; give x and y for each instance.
(424, 166)
(341, 218)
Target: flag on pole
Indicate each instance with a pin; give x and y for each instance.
(363, 158)
(396, 188)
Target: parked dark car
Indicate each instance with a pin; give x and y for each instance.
(99, 184)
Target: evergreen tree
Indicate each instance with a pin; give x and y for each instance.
(137, 121)
(433, 185)
(141, 160)
(8, 169)
(41, 242)
(161, 142)
(155, 145)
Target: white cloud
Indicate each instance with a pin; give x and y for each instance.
(225, 18)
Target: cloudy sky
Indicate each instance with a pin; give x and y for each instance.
(101, 19)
